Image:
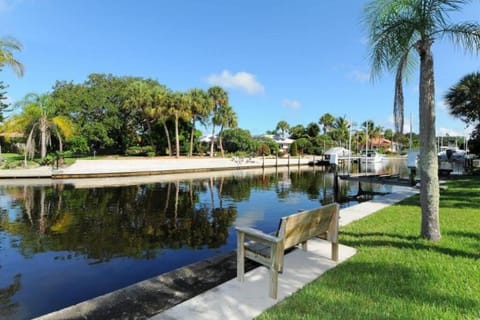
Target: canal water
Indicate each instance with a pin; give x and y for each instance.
(62, 242)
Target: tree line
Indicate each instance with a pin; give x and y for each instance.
(110, 114)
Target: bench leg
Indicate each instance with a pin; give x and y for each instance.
(273, 283)
(304, 246)
(334, 251)
(240, 256)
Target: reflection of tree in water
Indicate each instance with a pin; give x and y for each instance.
(7, 307)
(103, 223)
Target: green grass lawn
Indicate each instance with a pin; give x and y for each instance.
(397, 275)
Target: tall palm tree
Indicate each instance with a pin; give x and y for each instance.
(283, 127)
(225, 118)
(339, 131)
(463, 99)
(160, 110)
(326, 121)
(397, 27)
(219, 98)
(200, 107)
(179, 109)
(405, 65)
(40, 116)
(7, 48)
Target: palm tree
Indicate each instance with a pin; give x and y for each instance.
(463, 99)
(219, 98)
(326, 121)
(405, 63)
(225, 118)
(397, 27)
(283, 127)
(339, 133)
(179, 109)
(160, 110)
(200, 107)
(39, 114)
(7, 47)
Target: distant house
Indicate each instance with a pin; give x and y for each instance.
(382, 143)
(283, 143)
(207, 138)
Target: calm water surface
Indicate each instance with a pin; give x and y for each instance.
(65, 242)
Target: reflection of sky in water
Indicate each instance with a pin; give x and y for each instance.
(50, 271)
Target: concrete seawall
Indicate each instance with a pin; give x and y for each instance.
(125, 167)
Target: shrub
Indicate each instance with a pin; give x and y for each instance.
(78, 145)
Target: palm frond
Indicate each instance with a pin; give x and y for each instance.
(465, 35)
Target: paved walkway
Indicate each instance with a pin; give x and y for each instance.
(244, 301)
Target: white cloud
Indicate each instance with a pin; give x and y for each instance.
(7, 5)
(359, 76)
(291, 104)
(241, 80)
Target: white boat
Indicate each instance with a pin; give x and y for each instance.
(371, 157)
(451, 154)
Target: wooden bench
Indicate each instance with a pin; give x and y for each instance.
(295, 229)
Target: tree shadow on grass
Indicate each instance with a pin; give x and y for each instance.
(391, 240)
(394, 282)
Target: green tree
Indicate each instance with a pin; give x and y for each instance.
(339, 133)
(225, 118)
(302, 145)
(220, 98)
(200, 107)
(313, 130)
(98, 108)
(283, 127)
(40, 116)
(238, 140)
(7, 48)
(463, 98)
(140, 99)
(298, 131)
(3, 104)
(179, 109)
(326, 121)
(269, 142)
(396, 28)
(294, 149)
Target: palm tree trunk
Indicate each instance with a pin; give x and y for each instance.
(177, 142)
(43, 137)
(220, 141)
(429, 188)
(213, 140)
(169, 142)
(190, 152)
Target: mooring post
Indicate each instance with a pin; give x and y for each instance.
(413, 173)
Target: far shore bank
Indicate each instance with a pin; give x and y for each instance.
(124, 167)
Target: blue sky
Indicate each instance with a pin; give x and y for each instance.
(279, 60)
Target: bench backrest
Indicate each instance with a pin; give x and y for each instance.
(302, 226)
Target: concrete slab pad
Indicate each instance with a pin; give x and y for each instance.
(235, 300)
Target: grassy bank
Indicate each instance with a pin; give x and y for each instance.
(397, 275)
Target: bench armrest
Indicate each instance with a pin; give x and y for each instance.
(258, 235)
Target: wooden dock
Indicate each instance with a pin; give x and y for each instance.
(391, 179)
